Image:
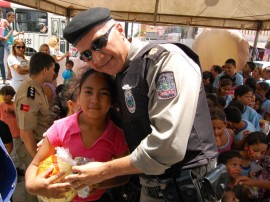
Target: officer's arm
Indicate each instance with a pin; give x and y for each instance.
(29, 141)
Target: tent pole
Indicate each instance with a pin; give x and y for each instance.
(256, 40)
(155, 13)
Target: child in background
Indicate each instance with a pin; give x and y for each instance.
(242, 127)
(258, 103)
(224, 137)
(243, 94)
(44, 48)
(262, 88)
(225, 87)
(50, 87)
(255, 147)
(7, 114)
(86, 134)
(69, 66)
(233, 161)
(229, 196)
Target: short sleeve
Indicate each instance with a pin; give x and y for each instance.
(26, 112)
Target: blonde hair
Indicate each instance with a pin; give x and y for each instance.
(53, 42)
(16, 41)
(260, 69)
(43, 46)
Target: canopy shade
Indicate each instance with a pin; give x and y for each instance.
(233, 14)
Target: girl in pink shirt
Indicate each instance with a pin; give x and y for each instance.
(88, 133)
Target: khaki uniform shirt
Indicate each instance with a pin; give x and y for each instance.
(32, 108)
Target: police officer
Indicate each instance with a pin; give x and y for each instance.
(163, 107)
(32, 107)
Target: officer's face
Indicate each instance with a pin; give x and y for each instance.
(95, 97)
(50, 73)
(111, 58)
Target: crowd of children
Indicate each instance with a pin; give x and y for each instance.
(240, 111)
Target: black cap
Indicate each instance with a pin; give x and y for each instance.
(82, 23)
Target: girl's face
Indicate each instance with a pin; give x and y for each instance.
(252, 101)
(234, 167)
(256, 151)
(257, 105)
(7, 98)
(45, 49)
(230, 196)
(256, 73)
(218, 127)
(245, 99)
(260, 91)
(95, 96)
(225, 90)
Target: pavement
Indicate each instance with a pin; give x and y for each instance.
(18, 195)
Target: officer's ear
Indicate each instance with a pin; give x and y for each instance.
(120, 29)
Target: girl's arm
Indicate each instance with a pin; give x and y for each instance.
(244, 180)
(43, 184)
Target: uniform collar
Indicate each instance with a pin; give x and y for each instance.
(136, 46)
(36, 85)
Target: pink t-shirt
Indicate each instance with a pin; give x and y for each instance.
(66, 133)
(7, 114)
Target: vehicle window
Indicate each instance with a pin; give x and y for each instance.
(31, 20)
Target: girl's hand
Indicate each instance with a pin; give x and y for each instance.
(46, 185)
(244, 180)
(218, 141)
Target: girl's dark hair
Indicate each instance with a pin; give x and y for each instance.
(242, 90)
(251, 82)
(237, 104)
(233, 114)
(264, 85)
(227, 155)
(64, 93)
(217, 114)
(7, 90)
(225, 82)
(217, 69)
(109, 79)
(256, 137)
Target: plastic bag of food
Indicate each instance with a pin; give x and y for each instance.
(61, 161)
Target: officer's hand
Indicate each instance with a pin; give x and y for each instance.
(86, 175)
(46, 185)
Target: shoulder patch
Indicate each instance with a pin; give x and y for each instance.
(31, 92)
(165, 84)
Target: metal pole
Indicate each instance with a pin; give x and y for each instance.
(256, 40)
(126, 29)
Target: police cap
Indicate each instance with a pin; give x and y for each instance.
(85, 21)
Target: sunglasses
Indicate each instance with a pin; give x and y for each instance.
(97, 45)
(23, 47)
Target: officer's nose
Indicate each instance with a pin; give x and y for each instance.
(98, 57)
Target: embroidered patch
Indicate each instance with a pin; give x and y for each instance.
(166, 87)
(130, 101)
(25, 107)
(153, 51)
(31, 91)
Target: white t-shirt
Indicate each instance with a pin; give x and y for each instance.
(17, 78)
